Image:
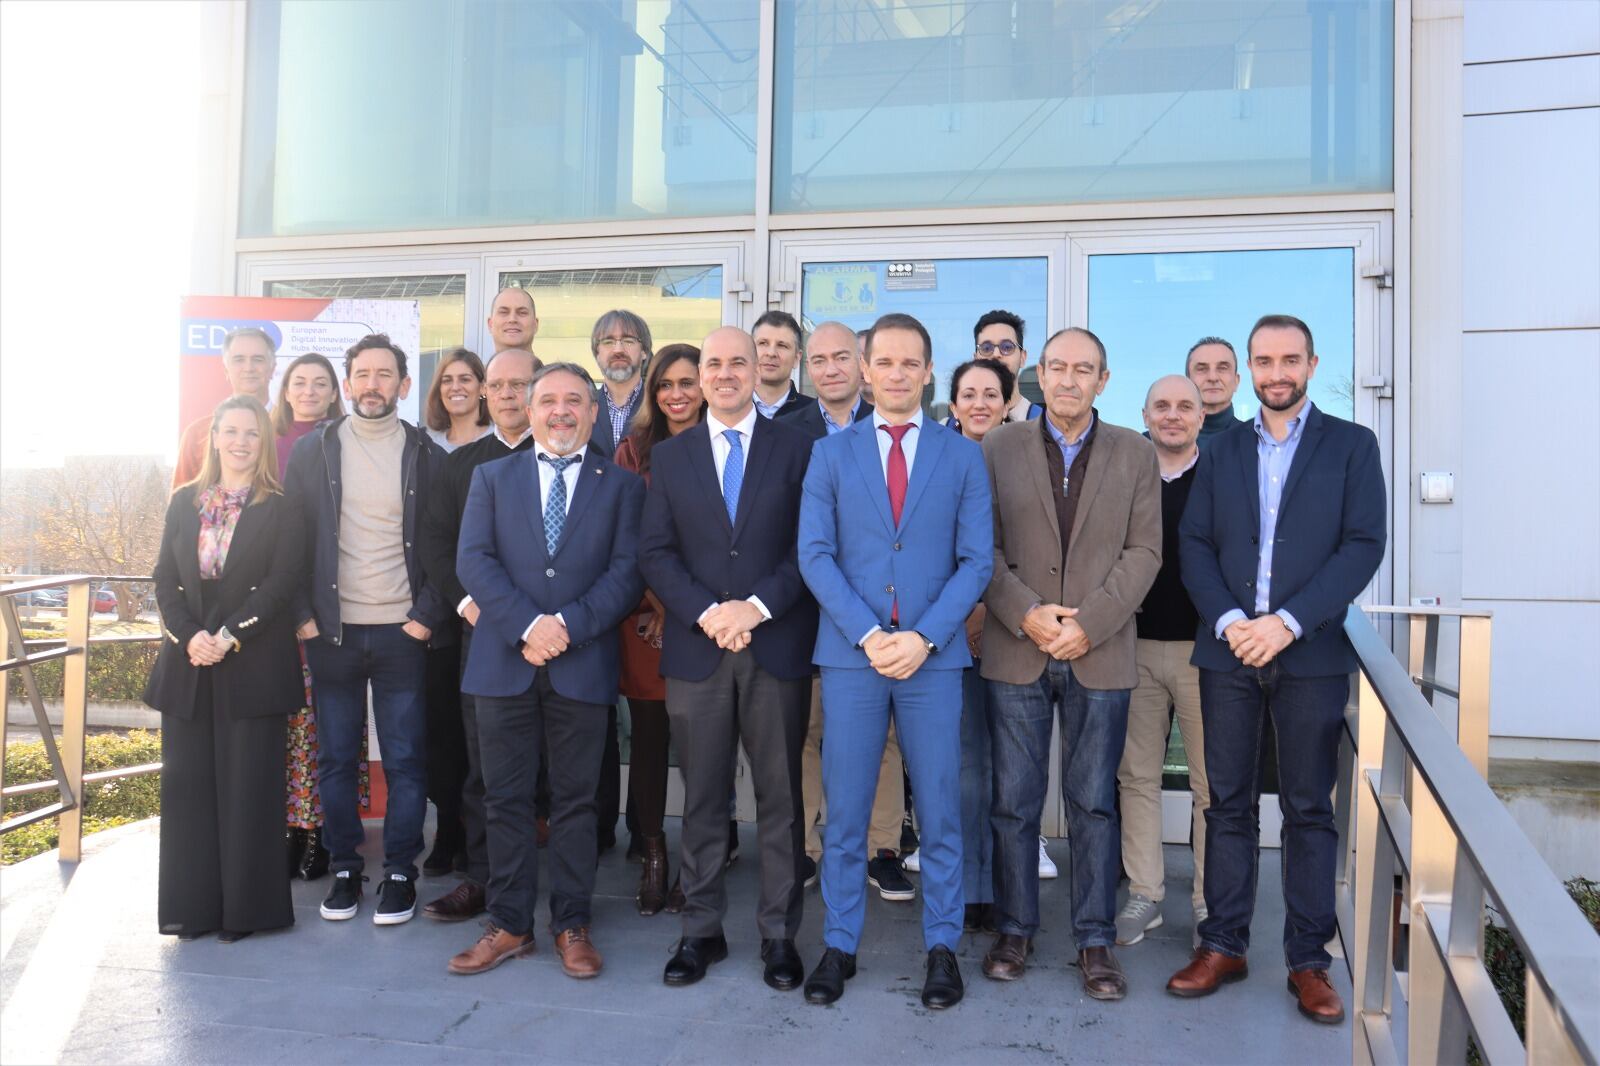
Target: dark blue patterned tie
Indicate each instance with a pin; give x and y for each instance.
(555, 508)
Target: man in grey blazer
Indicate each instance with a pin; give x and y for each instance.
(1077, 544)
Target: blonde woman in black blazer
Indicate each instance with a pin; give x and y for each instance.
(226, 680)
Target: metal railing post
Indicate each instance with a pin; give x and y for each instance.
(1375, 864)
(74, 714)
(1472, 711)
(1436, 1024)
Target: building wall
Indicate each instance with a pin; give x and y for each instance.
(1528, 488)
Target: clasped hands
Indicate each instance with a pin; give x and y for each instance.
(207, 650)
(546, 639)
(729, 624)
(1056, 631)
(1257, 641)
(895, 655)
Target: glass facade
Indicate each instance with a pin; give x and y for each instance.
(950, 104)
(369, 115)
(375, 115)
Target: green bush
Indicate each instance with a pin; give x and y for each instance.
(106, 804)
(116, 672)
(1508, 969)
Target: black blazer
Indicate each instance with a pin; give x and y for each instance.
(252, 598)
(808, 416)
(693, 557)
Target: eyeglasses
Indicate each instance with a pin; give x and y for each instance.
(1005, 348)
(617, 342)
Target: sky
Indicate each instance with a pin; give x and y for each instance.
(98, 123)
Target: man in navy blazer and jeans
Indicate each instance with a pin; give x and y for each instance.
(1284, 528)
(548, 553)
(718, 548)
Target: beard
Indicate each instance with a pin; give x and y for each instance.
(1296, 394)
(617, 374)
(386, 406)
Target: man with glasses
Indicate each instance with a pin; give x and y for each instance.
(998, 336)
(620, 344)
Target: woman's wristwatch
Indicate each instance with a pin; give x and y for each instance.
(223, 635)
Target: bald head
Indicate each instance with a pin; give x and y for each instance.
(1173, 413)
(728, 374)
(513, 322)
(833, 362)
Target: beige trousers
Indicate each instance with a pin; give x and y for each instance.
(888, 807)
(1165, 678)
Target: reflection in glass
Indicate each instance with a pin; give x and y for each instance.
(680, 304)
(946, 295)
(441, 298)
(368, 115)
(924, 104)
(1149, 308)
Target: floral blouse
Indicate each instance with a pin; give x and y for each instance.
(219, 513)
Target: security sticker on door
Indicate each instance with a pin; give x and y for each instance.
(901, 275)
(837, 290)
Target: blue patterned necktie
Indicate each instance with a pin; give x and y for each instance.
(555, 508)
(732, 473)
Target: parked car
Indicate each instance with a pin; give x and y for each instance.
(105, 601)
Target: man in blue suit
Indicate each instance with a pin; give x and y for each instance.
(548, 553)
(897, 543)
(1285, 526)
(718, 549)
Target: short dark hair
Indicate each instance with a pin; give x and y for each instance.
(786, 321)
(1281, 322)
(369, 342)
(1008, 380)
(896, 320)
(1201, 343)
(249, 331)
(1098, 343)
(433, 412)
(998, 318)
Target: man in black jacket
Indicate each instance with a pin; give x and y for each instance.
(1214, 368)
(509, 382)
(366, 614)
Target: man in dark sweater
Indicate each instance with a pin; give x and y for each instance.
(508, 382)
(1214, 368)
(1166, 627)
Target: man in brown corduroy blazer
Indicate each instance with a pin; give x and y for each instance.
(1077, 544)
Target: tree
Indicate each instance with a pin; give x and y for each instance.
(99, 514)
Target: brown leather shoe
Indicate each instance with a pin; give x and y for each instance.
(493, 947)
(578, 955)
(1007, 960)
(1207, 971)
(1102, 975)
(1317, 998)
(464, 902)
(652, 894)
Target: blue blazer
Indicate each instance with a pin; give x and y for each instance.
(1332, 526)
(592, 581)
(693, 557)
(937, 561)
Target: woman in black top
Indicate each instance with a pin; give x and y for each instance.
(225, 681)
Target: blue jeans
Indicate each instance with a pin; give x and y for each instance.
(1307, 713)
(396, 667)
(1094, 724)
(977, 790)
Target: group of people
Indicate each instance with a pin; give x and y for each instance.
(835, 582)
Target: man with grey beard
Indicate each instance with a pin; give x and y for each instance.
(620, 343)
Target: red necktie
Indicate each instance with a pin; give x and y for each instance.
(897, 490)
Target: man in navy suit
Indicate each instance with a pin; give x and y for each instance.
(548, 553)
(718, 548)
(897, 544)
(1285, 526)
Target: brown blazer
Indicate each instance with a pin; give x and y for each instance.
(1112, 558)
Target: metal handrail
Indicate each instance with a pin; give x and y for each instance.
(1423, 811)
(72, 650)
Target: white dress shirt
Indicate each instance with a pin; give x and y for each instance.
(546, 474)
(908, 444)
(720, 450)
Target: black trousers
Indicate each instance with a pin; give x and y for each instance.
(222, 783)
(740, 701)
(475, 838)
(447, 741)
(513, 732)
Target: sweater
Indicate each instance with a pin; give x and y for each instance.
(374, 588)
(1166, 613)
(1216, 423)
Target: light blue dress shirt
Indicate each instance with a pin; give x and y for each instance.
(834, 427)
(1069, 450)
(769, 409)
(1273, 460)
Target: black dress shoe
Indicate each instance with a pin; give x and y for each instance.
(943, 987)
(784, 969)
(228, 936)
(826, 982)
(695, 953)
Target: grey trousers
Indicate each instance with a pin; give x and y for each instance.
(740, 701)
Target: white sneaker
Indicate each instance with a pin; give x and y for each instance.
(1138, 916)
(913, 862)
(1047, 869)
